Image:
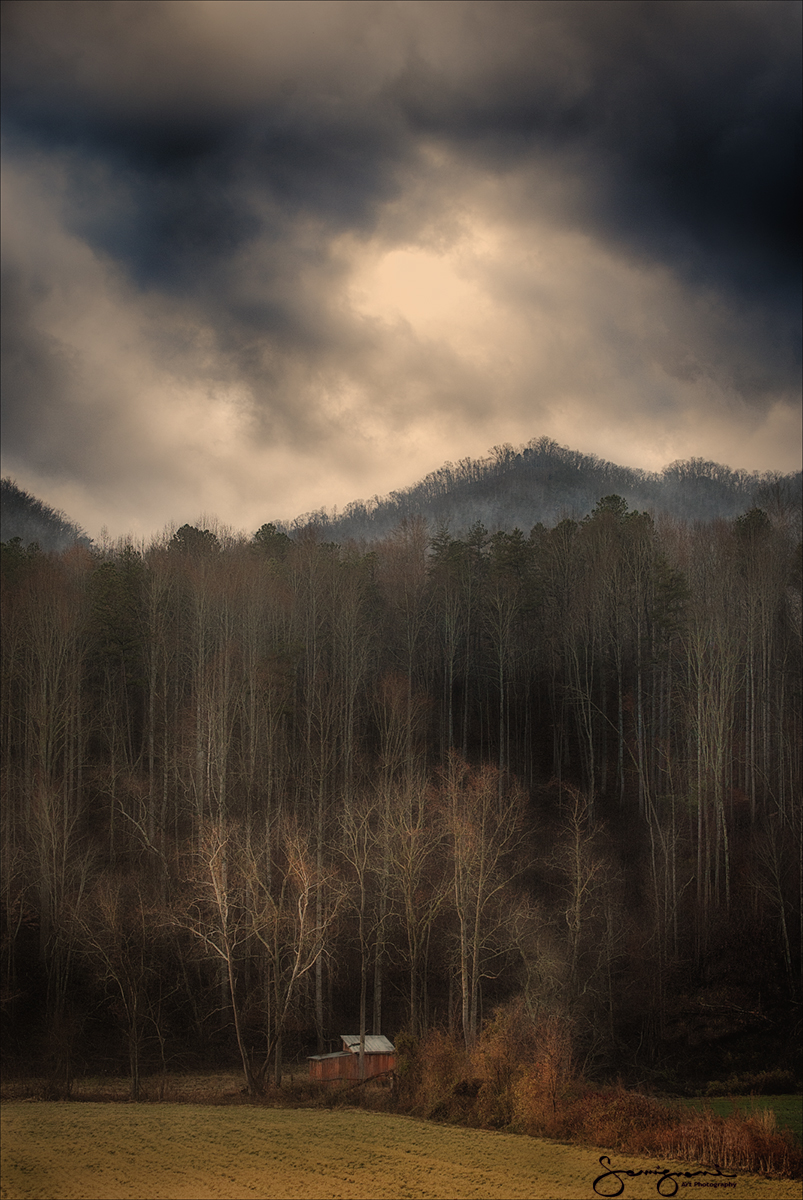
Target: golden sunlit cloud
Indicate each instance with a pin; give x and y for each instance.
(416, 285)
(374, 259)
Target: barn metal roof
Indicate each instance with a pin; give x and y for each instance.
(375, 1043)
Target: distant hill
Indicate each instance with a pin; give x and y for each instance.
(31, 520)
(544, 482)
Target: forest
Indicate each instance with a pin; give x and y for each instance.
(542, 481)
(259, 792)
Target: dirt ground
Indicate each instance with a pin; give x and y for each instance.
(89, 1151)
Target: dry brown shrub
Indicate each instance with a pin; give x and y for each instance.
(638, 1124)
(617, 1117)
(531, 1104)
(747, 1143)
(504, 1055)
(443, 1083)
(758, 1083)
(541, 1091)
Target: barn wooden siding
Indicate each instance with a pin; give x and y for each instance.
(327, 1067)
(380, 1056)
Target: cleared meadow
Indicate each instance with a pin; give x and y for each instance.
(788, 1109)
(89, 1151)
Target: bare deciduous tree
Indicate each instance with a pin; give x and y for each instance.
(234, 906)
(484, 827)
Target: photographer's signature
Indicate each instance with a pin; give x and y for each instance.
(612, 1182)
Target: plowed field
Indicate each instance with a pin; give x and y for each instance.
(86, 1151)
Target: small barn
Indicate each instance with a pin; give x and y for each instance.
(380, 1056)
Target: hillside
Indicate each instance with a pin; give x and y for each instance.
(31, 520)
(538, 790)
(544, 482)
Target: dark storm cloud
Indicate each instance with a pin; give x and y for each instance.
(682, 120)
(214, 174)
(189, 180)
(187, 143)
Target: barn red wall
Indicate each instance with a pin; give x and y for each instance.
(347, 1066)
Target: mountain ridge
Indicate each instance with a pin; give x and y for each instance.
(31, 520)
(539, 482)
(543, 482)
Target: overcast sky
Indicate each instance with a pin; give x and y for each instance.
(260, 258)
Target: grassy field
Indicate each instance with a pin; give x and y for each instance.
(83, 1151)
(788, 1109)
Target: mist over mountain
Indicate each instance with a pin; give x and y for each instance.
(509, 488)
(545, 482)
(31, 520)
